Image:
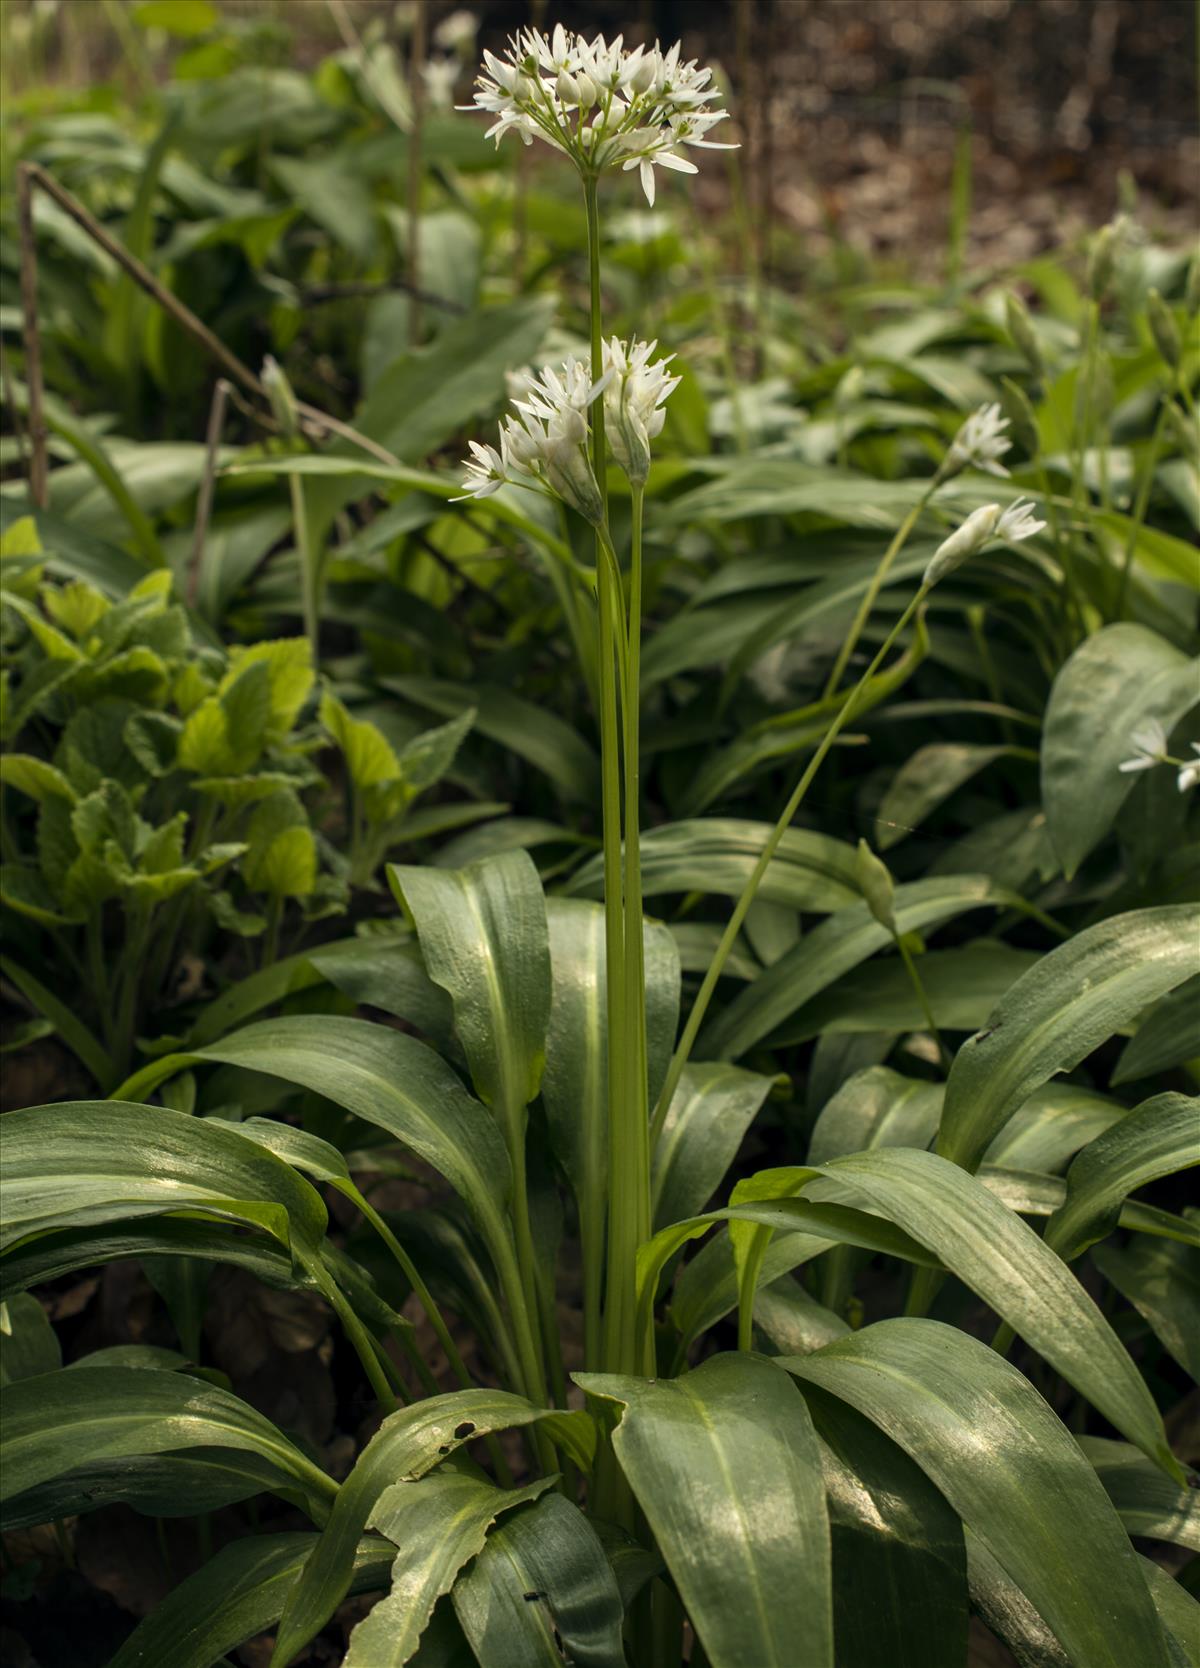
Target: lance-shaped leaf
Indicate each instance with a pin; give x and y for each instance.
(82, 1163)
(1149, 1504)
(392, 1080)
(439, 1524)
(236, 1595)
(716, 855)
(574, 1087)
(28, 1343)
(876, 1108)
(725, 1465)
(52, 1422)
(406, 1446)
(1162, 1281)
(1057, 1013)
(542, 1588)
(928, 778)
(706, 1289)
(987, 1440)
(893, 1534)
(1053, 1124)
(1118, 679)
(833, 948)
(484, 939)
(711, 1111)
(1177, 1611)
(1157, 1139)
(999, 1257)
(1168, 1037)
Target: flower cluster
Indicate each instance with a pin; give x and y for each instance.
(635, 392)
(601, 105)
(982, 525)
(545, 441)
(1149, 743)
(979, 444)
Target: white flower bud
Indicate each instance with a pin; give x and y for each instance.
(974, 533)
(645, 75)
(567, 87)
(876, 885)
(588, 91)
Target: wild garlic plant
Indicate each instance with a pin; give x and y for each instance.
(605, 107)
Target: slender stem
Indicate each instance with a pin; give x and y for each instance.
(729, 936)
(918, 984)
(204, 499)
(631, 1167)
(308, 566)
(1141, 505)
(872, 591)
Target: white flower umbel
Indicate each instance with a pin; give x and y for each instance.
(1189, 773)
(634, 396)
(544, 442)
(599, 104)
(1149, 743)
(979, 444)
(986, 523)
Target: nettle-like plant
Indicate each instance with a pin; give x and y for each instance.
(827, 1492)
(162, 801)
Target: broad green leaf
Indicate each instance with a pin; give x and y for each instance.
(535, 734)
(893, 1534)
(1156, 1139)
(235, 1596)
(428, 756)
(1149, 1504)
(706, 1289)
(550, 1550)
(794, 1322)
(987, 1441)
(82, 1163)
(1117, 680)
(835, 946)
(281, 859)
(484, 940)
(1162, 1281)
(1008, 1613)
(1000, 1258)
(289, 678)
(406, 1446)
(1169, 1036)
(1178, 1612)
(438, 1523)
(1050, 1128)
(717, 854)
(369, 757)
(574, 1085)
(711, 1111)
(876, 1108)
(1052, 1018)
(390, 1079)
(28, 1344)
(388, 973)
(928, 778)
(107, 1413)
(725, 1465)
(35, 777)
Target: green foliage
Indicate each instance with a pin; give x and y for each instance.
(920, 1102)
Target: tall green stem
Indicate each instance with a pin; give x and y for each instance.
(872, 591)
(728, 938)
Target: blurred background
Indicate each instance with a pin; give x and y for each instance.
(853, 111)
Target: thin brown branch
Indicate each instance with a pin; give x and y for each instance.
(39, 466)
(216, 425)
(141, 275)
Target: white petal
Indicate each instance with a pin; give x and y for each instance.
(647, 169)
(680, 164)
